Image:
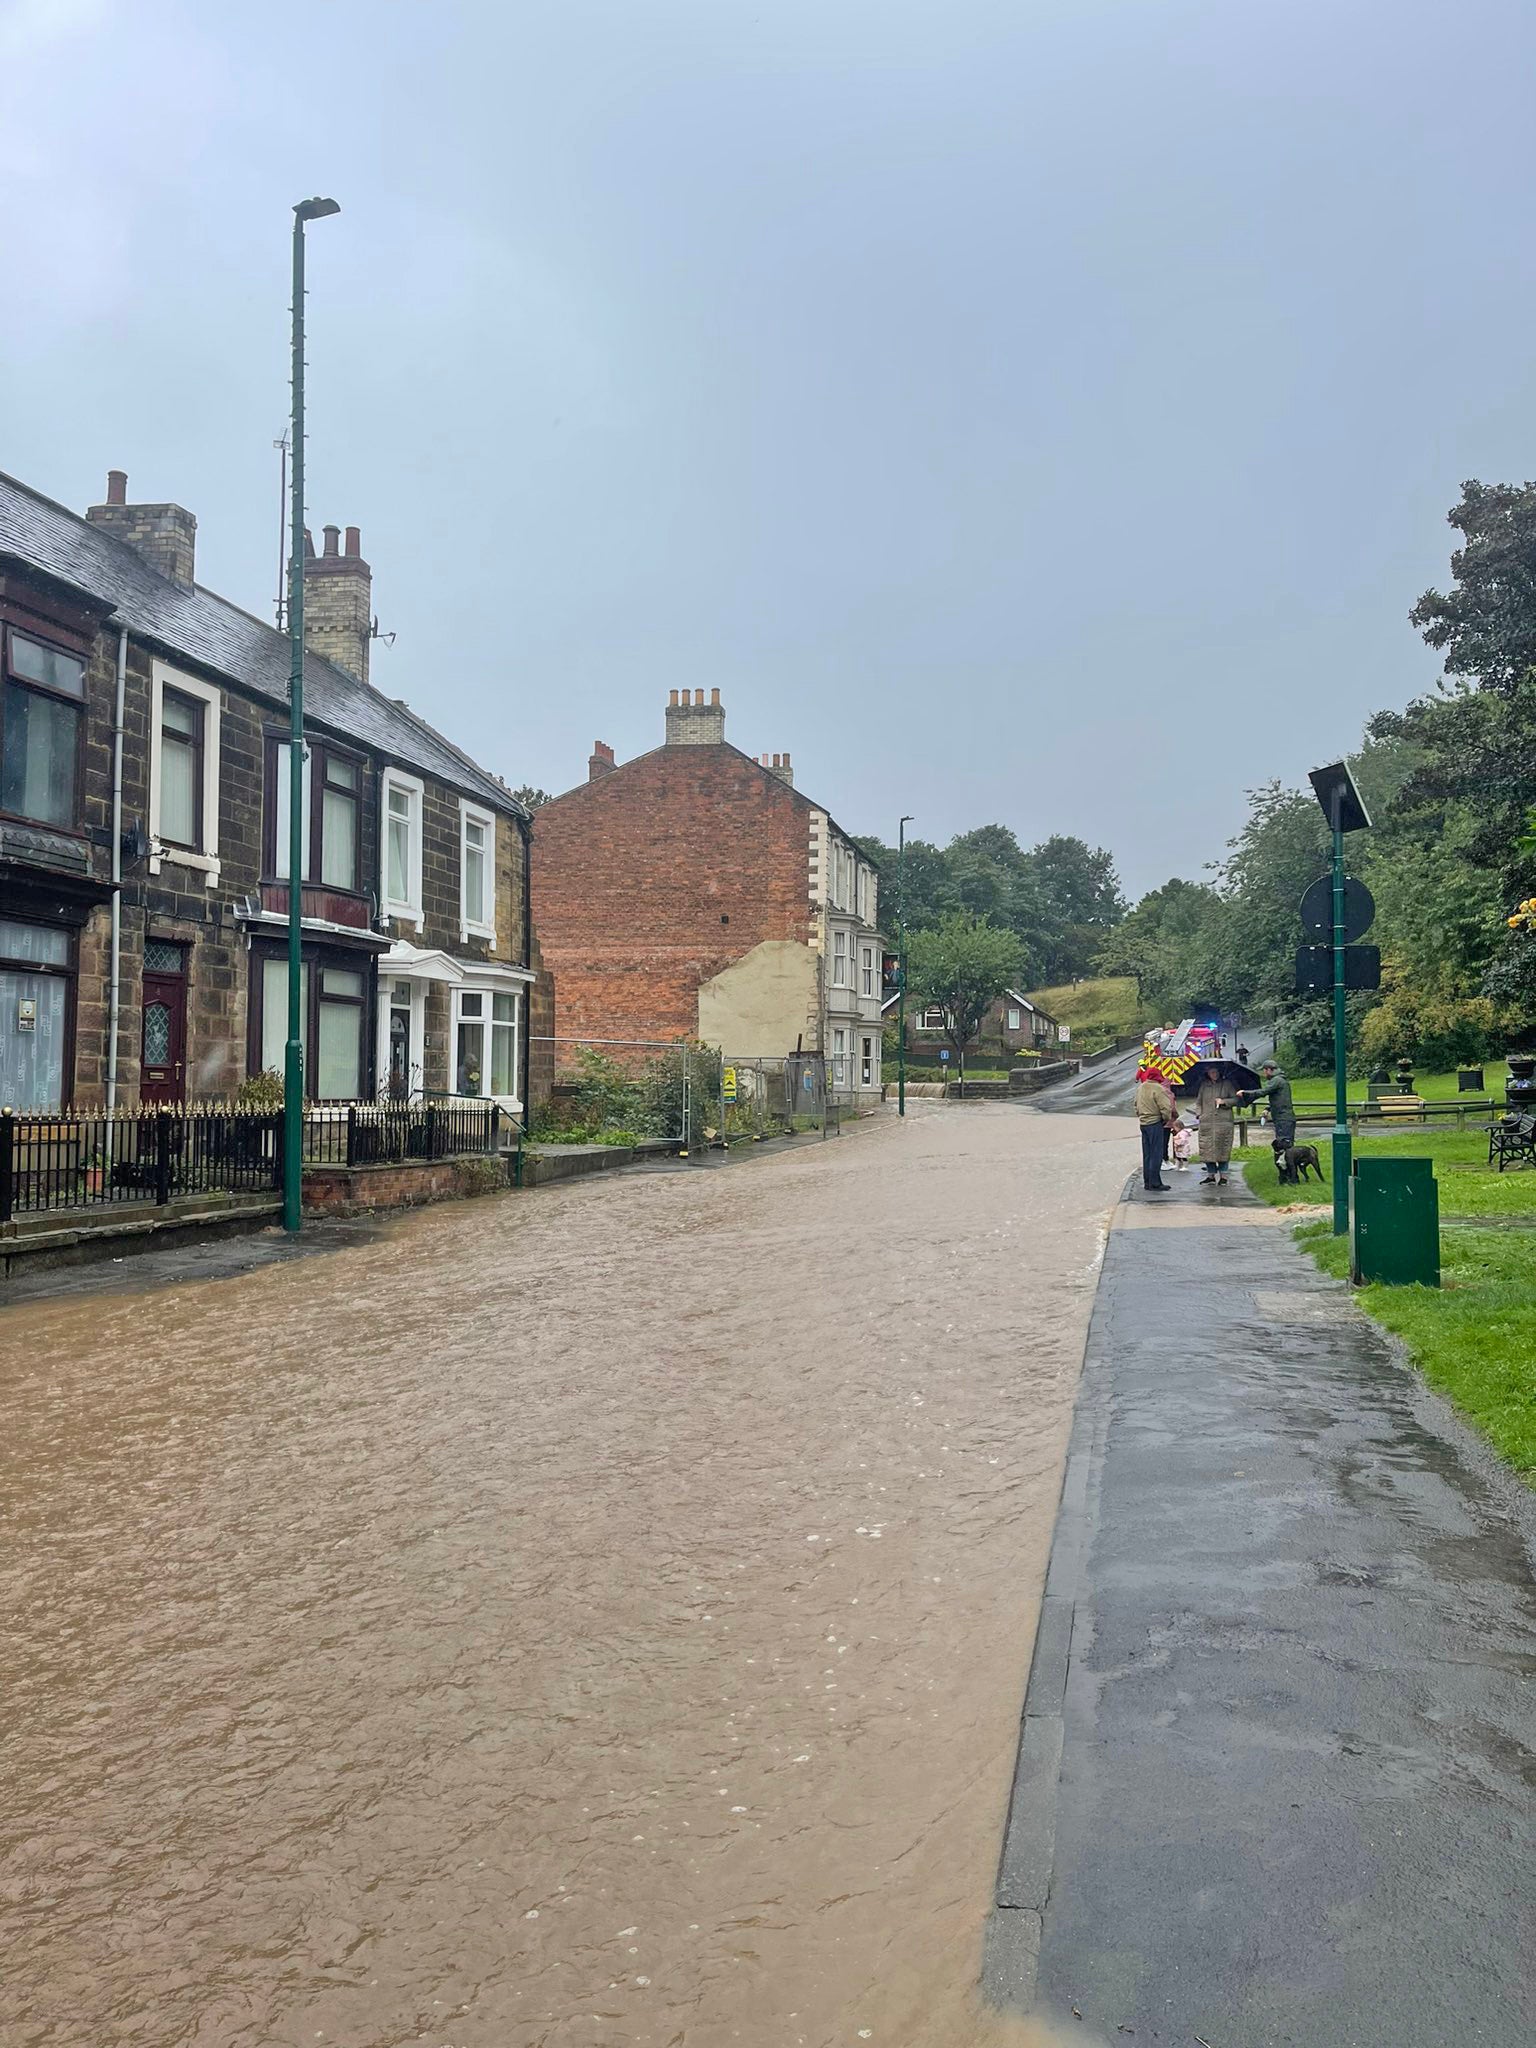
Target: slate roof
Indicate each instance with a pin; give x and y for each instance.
(219, 636)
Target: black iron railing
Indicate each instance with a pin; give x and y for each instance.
(60, 1159)
(382, 1133)
(53, 1159)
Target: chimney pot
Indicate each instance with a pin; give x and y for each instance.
(714, 696)
(693, 723)
(117, 486)
(354, 541)
(332, 536)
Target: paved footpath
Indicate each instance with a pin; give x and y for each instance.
(1281, 1713)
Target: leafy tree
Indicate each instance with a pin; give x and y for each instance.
(962, 963)
(1162, 943)
(923, 878)
(1486, 625)
(531, 798)
(993, 877)
(1080, 901)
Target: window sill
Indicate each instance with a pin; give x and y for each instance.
(478, 931)
(205, 864)
(406, 913)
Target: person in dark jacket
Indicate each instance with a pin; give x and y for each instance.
(1275, 1091)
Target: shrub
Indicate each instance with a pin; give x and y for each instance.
(261, 1092)
(1436, 1032)
(605, 1095)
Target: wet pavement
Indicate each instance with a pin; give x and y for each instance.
(592, 1617)
(1286, 1666)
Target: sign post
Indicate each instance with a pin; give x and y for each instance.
(1345, 812)
(901, 965)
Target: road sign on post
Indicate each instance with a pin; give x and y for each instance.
(1317, 911)
(1315, 968)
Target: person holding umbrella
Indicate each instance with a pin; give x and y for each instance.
(1216, 1127)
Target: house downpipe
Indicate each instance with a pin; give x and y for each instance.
(114, 988)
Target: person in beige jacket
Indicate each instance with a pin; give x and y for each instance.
(1157, 1116)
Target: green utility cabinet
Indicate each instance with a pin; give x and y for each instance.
(1394, 1223)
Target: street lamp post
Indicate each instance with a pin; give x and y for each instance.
(293, 1051)
(901, 966)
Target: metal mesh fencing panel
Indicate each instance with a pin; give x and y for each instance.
(627, 1091)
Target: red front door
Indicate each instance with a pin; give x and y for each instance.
(163, 1071)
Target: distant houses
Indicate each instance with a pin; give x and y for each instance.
(694, 892)
(1013, 1024)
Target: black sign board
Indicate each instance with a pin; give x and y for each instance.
(1314, 969)
(1317, 911)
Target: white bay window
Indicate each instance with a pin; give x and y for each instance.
(486, 1025)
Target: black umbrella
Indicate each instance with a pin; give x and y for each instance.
(1233, 1077)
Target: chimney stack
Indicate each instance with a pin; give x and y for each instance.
(601, 761)
(778, 764)
(692, 722)
(165, 535)
(338, 601)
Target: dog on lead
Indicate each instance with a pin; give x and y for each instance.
(1293, 1161)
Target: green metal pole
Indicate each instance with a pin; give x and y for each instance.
(1342, 1148)
(901, 967)
(293, 1052)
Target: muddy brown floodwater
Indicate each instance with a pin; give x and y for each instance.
(587, 1618)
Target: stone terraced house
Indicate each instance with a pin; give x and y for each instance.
(144, 757)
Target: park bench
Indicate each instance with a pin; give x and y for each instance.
(1512, 1138)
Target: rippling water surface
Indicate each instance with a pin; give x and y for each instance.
(591, 1617)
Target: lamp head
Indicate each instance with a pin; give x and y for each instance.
(316, 209)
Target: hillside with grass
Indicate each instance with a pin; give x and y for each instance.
(1108, 1006)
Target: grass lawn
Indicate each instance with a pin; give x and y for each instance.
(1314, 1092)
(1474, 1337)
(1468, 1186)
(1111, 1003)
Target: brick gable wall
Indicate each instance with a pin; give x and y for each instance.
(651, 879)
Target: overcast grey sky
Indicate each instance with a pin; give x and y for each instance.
(983, 394)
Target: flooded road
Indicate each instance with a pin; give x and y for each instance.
(585, 1618)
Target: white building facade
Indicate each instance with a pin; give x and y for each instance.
(844, 887)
